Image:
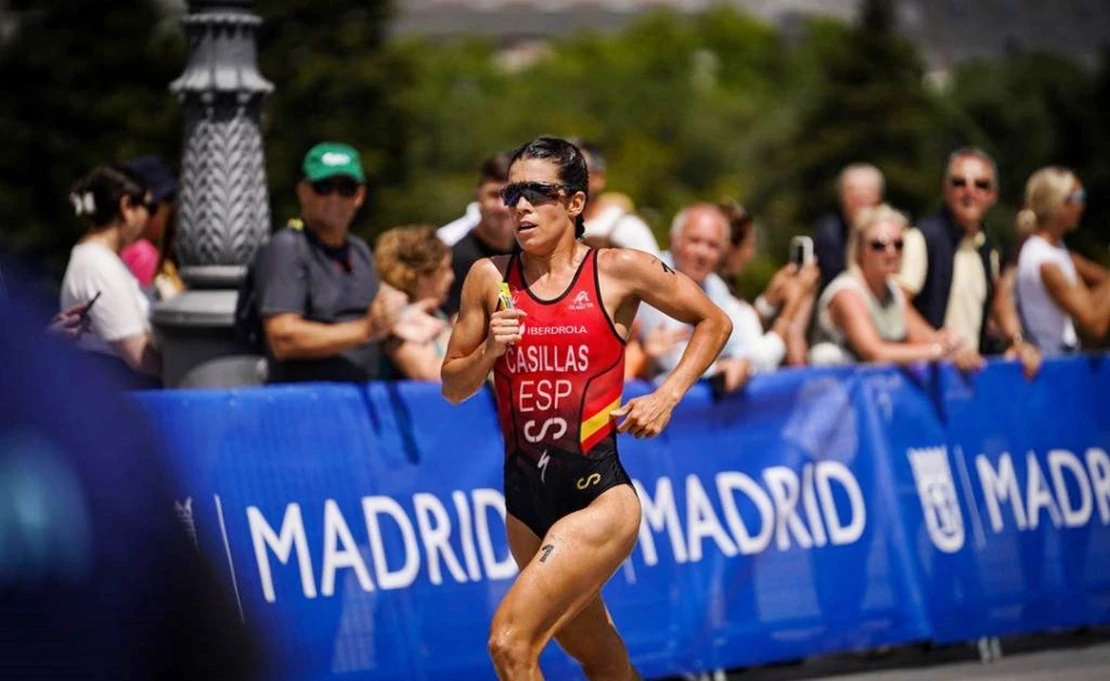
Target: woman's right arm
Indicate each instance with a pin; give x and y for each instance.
(140, 353)
(479, 337)
(849, 314)
(1089, 309)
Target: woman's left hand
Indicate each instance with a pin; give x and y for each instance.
(645, 416)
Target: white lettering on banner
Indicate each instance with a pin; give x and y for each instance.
(1060, 460)
(1038, 495)
(372, 508)
(290, 536)
(436, 537)
(1098, 463)
(839, 533)
(484, 500)
(470, 552)
(658, 514)
(703, 521)
(936, 489)
(783, 483)
(1001, 488)
(777, 511)
(337, 531)
(733, 481)
(341, 550)
(813, 515)
(998, 487)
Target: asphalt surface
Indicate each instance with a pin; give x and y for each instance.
(1068, 656)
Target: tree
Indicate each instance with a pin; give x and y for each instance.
(84, 83)
(333, 81)
(862, 98)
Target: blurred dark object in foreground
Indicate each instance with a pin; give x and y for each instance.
(97, 578)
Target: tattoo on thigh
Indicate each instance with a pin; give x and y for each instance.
(547, 549)
(666, 267)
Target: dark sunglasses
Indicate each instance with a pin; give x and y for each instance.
(880, 245)
(534, 192)
(1077, 196)
(143, 201)
(345, 187)
(961, 182)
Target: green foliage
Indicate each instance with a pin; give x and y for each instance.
(84, 82)
(687, 108)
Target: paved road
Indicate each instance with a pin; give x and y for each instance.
(1076, 664)
(1065, 657)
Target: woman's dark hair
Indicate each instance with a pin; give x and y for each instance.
(96, 196)
(571, 166)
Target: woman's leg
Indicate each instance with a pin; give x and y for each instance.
(559, 580)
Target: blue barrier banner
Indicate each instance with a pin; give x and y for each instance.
(362, 528)
(1007, 501)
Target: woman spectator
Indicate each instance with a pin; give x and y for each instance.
(863, 314)
(1055, 302)
(415, 261)
(116, 205)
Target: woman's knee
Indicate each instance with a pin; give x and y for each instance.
(509, 650)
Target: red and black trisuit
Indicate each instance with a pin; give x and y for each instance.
(555, 389)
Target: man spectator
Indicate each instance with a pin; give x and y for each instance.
(698, 237)
(493, 235)
(608, 219)
(952, 272)
(859, 186)
(322, 307)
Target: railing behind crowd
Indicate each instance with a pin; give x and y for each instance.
(361, 528)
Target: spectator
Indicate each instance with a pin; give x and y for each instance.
(150, 258)
(116, 205)
(416, 262)
(322, 308)
(859, 186)
(611, 216)
(952, 274)
(1053, 299)
(788, 299)
(698, 237)
(493, 235)
(863, 315)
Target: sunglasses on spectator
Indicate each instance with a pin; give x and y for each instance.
(534, 192)
(346, 187)
(1077, 196)
(881, 245)
(145, 202)
(961, 182)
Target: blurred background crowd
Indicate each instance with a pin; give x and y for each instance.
(851, 181)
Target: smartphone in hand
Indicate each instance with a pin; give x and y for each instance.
(801, 251)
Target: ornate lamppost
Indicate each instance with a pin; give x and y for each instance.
(223, 205)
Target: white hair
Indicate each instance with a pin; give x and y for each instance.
(678, 224)
(862, 169)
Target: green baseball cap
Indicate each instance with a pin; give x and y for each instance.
(331, 159)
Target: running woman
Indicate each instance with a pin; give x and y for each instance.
(555, 341)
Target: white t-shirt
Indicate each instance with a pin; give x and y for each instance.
(1048, 325)
(625, 230)
(122, 311)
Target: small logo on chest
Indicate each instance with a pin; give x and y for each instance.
(581, 302)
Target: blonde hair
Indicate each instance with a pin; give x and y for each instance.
(868, 218)
(404, 254)
(1044, 194)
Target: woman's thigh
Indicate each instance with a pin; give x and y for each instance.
(569, 566)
